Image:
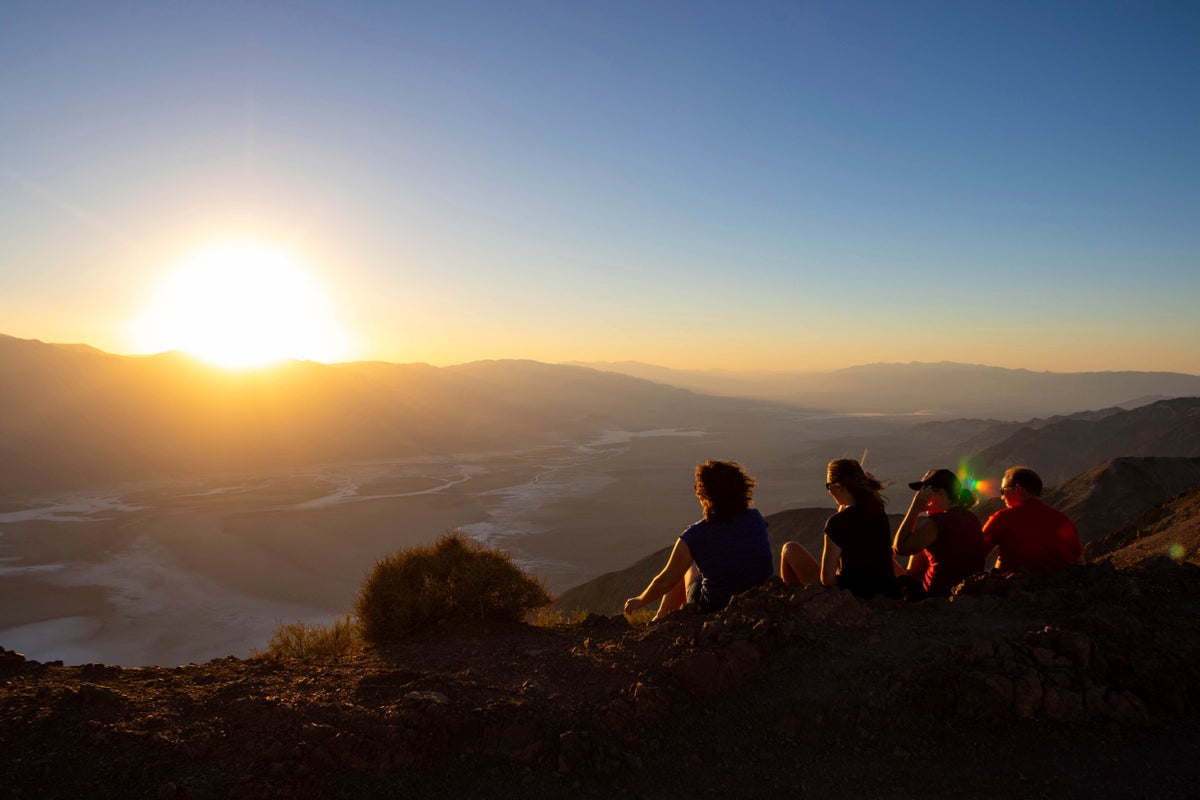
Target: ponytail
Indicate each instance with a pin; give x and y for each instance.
(862, 485)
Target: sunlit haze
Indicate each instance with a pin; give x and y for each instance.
(240, 304)
(732, 185)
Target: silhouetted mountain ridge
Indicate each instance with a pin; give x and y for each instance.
(1069, 446)
(947, 388)
(72, 416)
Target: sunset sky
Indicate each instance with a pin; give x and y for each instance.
(693, 184)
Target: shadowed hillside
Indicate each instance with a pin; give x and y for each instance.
(1110, 496)
(1172, 527)
(965, 436)
(1062, 449)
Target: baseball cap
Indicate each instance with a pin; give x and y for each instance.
(939, 479)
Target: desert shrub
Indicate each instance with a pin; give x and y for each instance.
(453, 579)
(300, 640)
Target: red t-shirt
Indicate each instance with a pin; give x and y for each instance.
(1033, 537)
(955, 554)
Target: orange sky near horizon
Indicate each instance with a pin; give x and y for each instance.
(781, 187)
(242, 301)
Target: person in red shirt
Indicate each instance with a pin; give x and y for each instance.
(1030, 535)
(945, 546)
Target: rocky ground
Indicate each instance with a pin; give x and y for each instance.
(1082, 685)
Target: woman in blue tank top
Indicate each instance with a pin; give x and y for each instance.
(719, 556)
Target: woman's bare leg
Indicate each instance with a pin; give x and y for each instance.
(674, 599)
(797, 565)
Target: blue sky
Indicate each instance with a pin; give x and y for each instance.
(787, 185)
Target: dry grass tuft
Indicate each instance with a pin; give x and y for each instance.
(557, 618)
(301, 640)
(642, 616)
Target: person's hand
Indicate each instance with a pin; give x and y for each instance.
(921, 498)
(633, 604)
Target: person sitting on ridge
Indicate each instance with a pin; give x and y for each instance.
(857, 550)
(944, 547)
(719, 556)
(1031, 536)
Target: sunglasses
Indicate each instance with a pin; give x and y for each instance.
(1007, 489)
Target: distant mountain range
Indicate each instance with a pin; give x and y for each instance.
(72, 415)
(943, 388)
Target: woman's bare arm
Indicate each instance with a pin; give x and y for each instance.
(672, 573)
(915, 534)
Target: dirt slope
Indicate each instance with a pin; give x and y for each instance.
(1082, 685)
(1170, 528)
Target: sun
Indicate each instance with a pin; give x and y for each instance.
(241, 304)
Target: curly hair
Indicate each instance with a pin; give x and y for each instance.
(849, 474)
(724, 489)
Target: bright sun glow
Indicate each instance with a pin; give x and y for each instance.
(241, 305)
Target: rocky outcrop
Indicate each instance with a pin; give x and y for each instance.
(1169, 529)
(601, 708)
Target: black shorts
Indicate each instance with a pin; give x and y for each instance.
(696, 597)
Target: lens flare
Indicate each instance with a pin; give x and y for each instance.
(1177, 551)
(986, 487)
(982, 487)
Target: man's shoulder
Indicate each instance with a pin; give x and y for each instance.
(1000, 517)
(1039, 506)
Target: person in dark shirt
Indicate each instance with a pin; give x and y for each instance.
(945, 546)
(857, 551)
(719, 556)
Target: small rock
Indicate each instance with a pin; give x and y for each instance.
(651, 702)
(573, 750)
(425, 698)
(698, 672)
